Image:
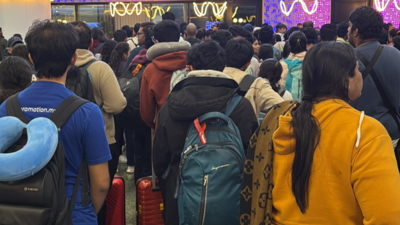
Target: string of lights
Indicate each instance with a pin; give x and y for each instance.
(303, 5)
(218, 11)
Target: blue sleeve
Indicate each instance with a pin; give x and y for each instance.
(95, 140)
(3, 110)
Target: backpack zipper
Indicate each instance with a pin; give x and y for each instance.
(203, 205)
(213, 129)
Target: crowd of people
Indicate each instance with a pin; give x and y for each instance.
(319, 117)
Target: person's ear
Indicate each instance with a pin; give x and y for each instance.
(30, 59)
(355, 32)
(336, 38)
(73, 60)
(197, 31)
(319, 37)
(126, 40)
(157, 41)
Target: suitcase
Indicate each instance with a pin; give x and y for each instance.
(149, 203)
(116, 202)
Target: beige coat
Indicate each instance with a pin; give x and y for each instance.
(261, 95)
(107, 93)
(285, 71)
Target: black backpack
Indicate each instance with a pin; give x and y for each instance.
(41, 199)
(80, 82)
(130, 82)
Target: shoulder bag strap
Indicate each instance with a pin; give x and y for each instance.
(63, 112)
(98, 48)
(232, 104)
(369, 70)
(246, 83)
(14, 109)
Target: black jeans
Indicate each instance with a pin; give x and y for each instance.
(112, 169)
(142, 146)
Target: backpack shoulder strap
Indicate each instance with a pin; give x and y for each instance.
(66, 109)
(281, 92)
(98, 48)
(89, 63)
(370, 65)
(133, 43)
(63, 112)
(246, 83)
(369, 70)
(232, 104)
(14, 109)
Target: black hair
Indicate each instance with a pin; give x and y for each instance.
(266, 35)
(249, 37)
(21, 51)
(342, 29)
(386, 26)
(167, 31)
(237, 31)
(120, 36)
(368, 22)
(223, 26)
(208, 55)
(326, 70)
(222, 37)
(286, 50)
(108, 47)
(310, 33)
(148, 34)
(396, 42)
(289, 32)
(308, 24)
(15, 76)
(209, 32)
(271, 69)
(383, 40)
(328, 32)
(200, 34)
(168, 16)
(183, 26)
(52, 47)
(297, 42)
(136, 27)
(280, 26)
(393, 33)
(98, 34)
(266, 51)
(256, 33)
(117, 56)
(239, 52)
(277, 37)
(84, 33)
(17, 35)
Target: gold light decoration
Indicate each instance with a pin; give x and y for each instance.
(234, 14)
(381, 5)
(251, 18)
(114, 10)
(218, 11)
(303, 5)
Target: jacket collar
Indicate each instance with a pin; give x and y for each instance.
(208, 73)
(166, 48)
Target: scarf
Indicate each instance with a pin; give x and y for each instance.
(256, 191)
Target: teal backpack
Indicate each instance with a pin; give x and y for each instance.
(293, 82)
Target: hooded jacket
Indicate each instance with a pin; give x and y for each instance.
(201, 92)
(354, 177)
(285, 69)
(107, 93)
(167, 58)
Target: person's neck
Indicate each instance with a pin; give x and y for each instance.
(193, 37)
(364, 42)
(58, 80)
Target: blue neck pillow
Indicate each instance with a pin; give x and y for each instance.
(38, 151)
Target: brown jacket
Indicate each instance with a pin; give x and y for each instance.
(167, 58)
(261, 95)
(106, 90)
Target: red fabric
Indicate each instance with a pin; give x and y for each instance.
(156, 84)
(150, 203)
(94, 46)
(141, 58)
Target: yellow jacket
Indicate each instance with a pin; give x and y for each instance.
(349, 184)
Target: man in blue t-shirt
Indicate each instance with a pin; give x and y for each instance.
(52, 49)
